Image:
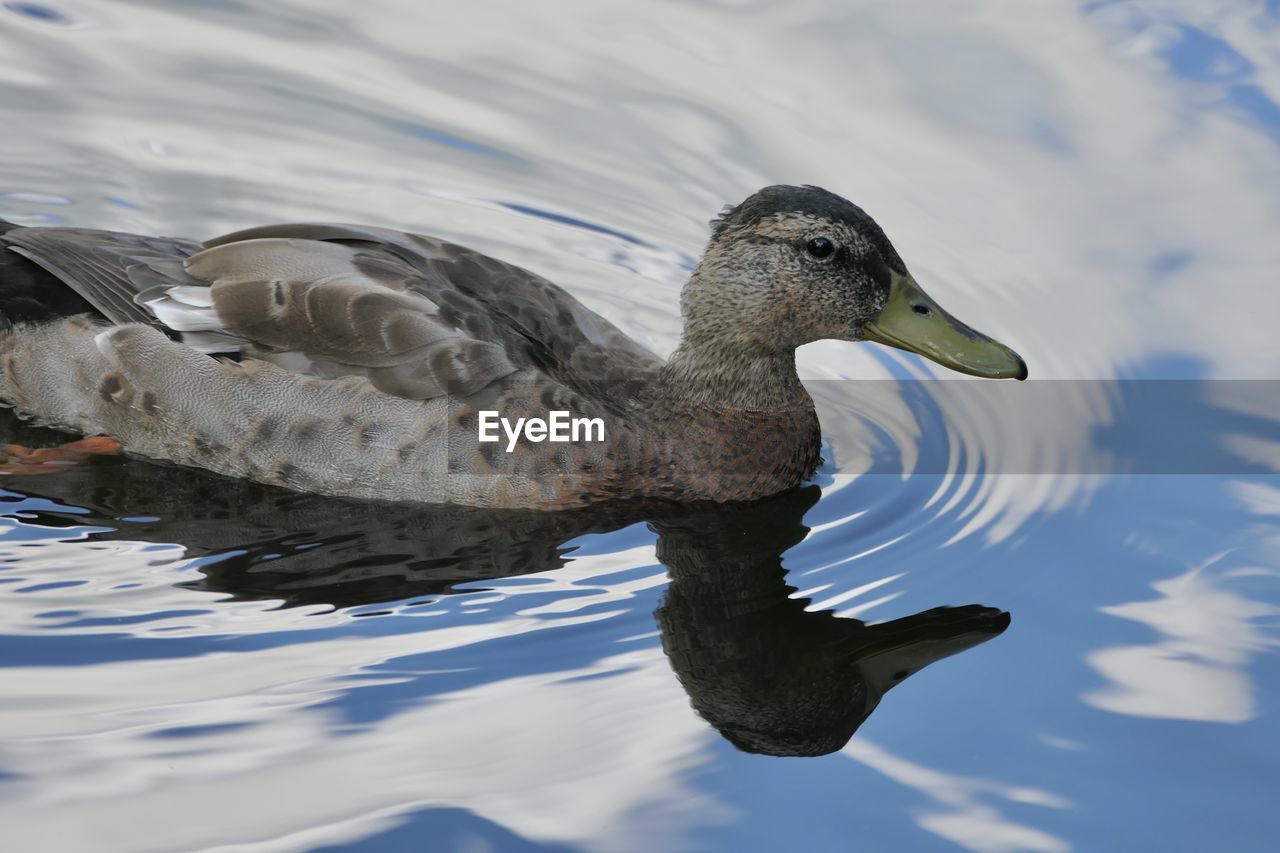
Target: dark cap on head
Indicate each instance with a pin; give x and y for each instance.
(806, 200)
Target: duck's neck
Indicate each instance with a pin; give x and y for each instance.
(731, 355)
(735, 425)
(707, 375)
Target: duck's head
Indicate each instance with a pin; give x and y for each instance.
(792, 265)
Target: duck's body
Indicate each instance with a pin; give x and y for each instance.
(356, 361)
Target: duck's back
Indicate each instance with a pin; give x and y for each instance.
(331, 358)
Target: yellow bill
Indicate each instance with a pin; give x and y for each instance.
(912, 321)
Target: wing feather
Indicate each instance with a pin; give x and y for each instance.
(345, 312)
(418, 317)
(96, 264)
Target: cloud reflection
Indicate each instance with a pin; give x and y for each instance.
(1197, 670)
(965, 810)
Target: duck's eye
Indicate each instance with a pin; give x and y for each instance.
(820, 247)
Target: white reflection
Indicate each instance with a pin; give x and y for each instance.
(557, 757)
(75, 587)
(568, 756)
(1253, 449)
(1197, 670)
(1259, 498)
(961, 810)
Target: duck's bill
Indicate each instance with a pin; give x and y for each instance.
(912, 321)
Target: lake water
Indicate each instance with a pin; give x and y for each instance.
(188, 663)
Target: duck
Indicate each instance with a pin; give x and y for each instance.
(370, 363)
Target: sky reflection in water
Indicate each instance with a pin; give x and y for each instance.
(1093, 183)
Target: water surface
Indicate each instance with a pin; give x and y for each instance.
(191, 663)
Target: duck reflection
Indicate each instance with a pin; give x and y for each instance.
(769, 675)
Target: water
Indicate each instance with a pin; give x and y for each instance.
(190, 663)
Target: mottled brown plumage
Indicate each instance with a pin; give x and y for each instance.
(353, 360)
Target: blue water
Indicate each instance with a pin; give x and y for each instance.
(189, 663)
